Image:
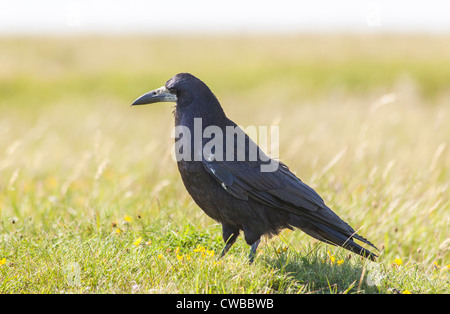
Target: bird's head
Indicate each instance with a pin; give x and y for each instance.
(181, 88)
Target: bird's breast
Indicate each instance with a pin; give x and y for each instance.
(207, 193)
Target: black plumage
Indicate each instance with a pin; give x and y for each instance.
(236, 193)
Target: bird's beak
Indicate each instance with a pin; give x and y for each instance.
(161, 94)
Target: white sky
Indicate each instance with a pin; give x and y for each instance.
(237, 16)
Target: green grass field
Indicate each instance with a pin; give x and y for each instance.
(91, 200)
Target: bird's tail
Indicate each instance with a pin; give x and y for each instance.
(330, 235)
(334, 237)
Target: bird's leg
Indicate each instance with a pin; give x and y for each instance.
(226, 248)
(253, 248)
(229, 236)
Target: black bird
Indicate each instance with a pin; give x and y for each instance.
(235, 191)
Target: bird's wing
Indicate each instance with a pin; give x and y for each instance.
(243, 177)
(281, 188)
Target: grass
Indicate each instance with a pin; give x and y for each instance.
(91, 201)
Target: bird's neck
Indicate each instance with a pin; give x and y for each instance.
(193, 127)
(209, 115)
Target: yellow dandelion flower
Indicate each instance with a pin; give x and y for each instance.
(127, 218)
(179, 257)
(448, 266)
(160, 256)
(188, 257)
(398, 261)
(210, 253)
(3, 261)
(199, 249)
(118, 231)
(332, 258)
(137, 241)
(339, 262)
(406, 292)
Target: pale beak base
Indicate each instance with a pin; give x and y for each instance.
(161, 94)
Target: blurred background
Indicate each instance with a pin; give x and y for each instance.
(201, 16)
(360, 90)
